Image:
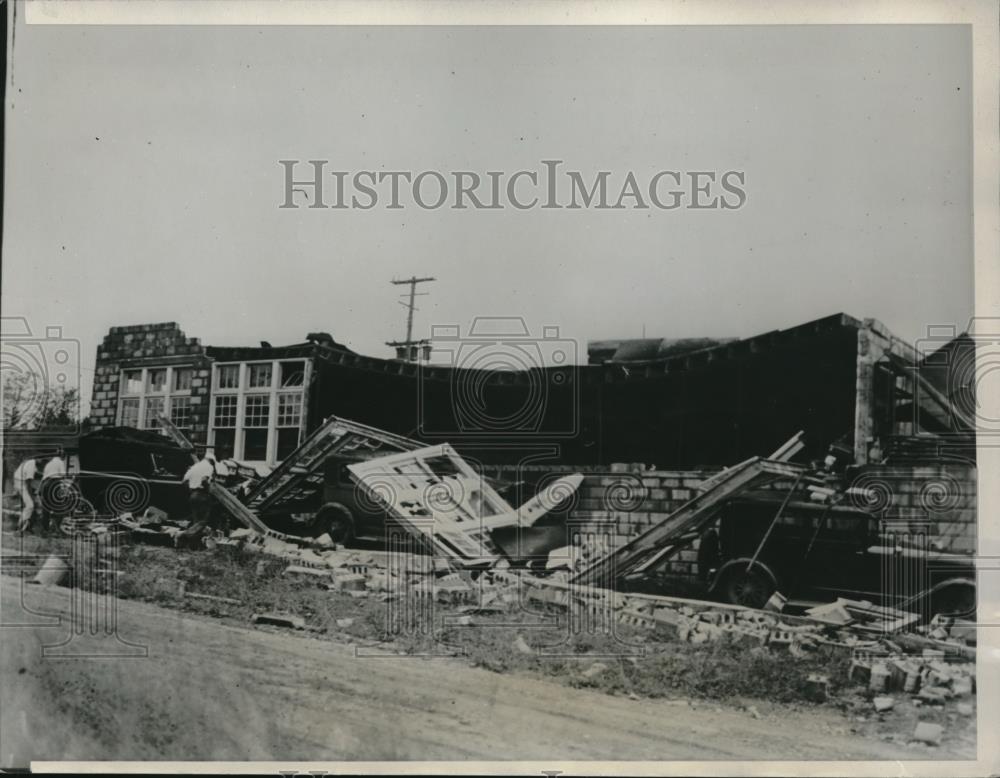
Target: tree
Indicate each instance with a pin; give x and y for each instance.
(29, 403)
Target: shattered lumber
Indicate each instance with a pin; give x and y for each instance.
(235, 508)
(302, 471)
(686, 520)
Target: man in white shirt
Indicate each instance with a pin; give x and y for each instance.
(54, 471)
(24, 482)
(197, 478)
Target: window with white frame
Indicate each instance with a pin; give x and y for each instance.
(259, 376)
(227, 377)
(288, 423)
(129, 411)
(146, 394)
(224, 425)
(257, 409)
(154, 410)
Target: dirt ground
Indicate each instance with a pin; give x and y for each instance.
(193, 681)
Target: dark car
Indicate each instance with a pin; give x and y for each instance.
(816, 553)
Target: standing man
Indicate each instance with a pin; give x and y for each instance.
(197, 478)
(24, 484)
(52, 474)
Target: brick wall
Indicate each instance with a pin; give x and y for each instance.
(149, 345)
(938, 500)
(616, 505)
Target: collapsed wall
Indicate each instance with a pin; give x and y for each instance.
(917, 503)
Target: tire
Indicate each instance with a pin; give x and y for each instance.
(957, 599)
(749, 588)
(335, 521)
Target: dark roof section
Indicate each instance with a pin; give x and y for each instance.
(635, 369)
(315, 341)
(630, 350)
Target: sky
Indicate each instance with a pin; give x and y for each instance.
(143, 184)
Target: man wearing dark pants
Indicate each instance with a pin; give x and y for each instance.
(198, 477)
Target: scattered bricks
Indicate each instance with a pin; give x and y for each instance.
(344, 623)
(817, 687)
(303, 570)
(912, 683)
(279, 620)
(776, 603)
(932, 695)
(961, 686)
(929, 733)
(351, 582)
(521, 645)
(964, 708)
(859, 672)
(883, 704)
(879, 678)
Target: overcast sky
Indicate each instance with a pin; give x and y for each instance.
(143, 182)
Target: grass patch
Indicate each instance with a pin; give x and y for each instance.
(535, 642)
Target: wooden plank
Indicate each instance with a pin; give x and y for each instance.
(690, 517)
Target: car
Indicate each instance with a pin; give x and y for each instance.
(816, 553)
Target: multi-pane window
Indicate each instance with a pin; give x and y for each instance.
(228, 377)
(258, 409)
(148, 393)
(289, 409)
(154, 409)
(180, 412)
(130, 412)
(259, 376)
(225, 411)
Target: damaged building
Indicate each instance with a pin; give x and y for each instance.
(689, 403)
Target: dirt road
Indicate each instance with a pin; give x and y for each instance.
(212, 691)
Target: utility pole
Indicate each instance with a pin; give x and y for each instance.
(410, 349)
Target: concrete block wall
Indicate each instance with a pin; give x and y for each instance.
(149, 345)
(938, 500)
(615, 506)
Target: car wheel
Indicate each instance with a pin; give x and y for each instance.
(956, 599)
(749, 588)
(335, 522)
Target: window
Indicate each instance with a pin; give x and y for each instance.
(130, 412)
(151, 392)
(293, 374)
(257, 410)
(288, 441)
(156, 380)
(154, 409)
(225, 412)
(133, 382)
(289, 410)
(259, 376)
(180, 411)
(228, 377)
(225, 443)
(182, 379)
(255, 444)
